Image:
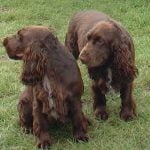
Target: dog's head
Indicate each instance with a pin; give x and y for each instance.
(108, 42)
(97, 49)
(29, 45)
(18, 44)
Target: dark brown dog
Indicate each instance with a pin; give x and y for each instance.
(54, 84)
(107, 49)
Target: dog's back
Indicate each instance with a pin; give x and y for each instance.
(79, 25)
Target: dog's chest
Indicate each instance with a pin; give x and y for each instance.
(111, 82)
(106, 82)
(109, 78)
(51, 101)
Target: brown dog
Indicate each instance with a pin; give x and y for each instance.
(107, 49)
(53, 83)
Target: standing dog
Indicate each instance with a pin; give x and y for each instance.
(107, 49)
(53, 83)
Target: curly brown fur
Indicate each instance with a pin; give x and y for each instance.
(34, 64)
(25, 110)
(51, 92)
(107, 49)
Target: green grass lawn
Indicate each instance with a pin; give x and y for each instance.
(113, 134)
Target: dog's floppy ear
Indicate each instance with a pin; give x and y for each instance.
(123, 57)
(34, 64)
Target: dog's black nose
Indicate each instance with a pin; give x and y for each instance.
(84, 57)
(5, 41)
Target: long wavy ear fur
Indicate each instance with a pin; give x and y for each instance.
(123, 54)
(34, 64)
(71, 43)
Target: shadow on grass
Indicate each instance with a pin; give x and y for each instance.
(61, 132)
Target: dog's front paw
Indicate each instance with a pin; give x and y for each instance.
(44, 142)
(101, 114)
(81, 136)
(127, 114)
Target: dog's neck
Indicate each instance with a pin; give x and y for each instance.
(57, 108)
(99, 72)
(51, 100)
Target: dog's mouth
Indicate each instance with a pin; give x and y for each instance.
(84, 60)
(93, 65)
(15, 57)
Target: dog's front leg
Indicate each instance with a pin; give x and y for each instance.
(99, 105)
(128, 108)
(79, 121)
(40, 124)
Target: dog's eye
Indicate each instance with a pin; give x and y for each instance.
(99, 40)
(19, 37)
(89, 37)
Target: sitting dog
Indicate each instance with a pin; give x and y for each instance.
(107, 49)
(53, 83)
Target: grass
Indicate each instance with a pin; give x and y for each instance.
(113, 134)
